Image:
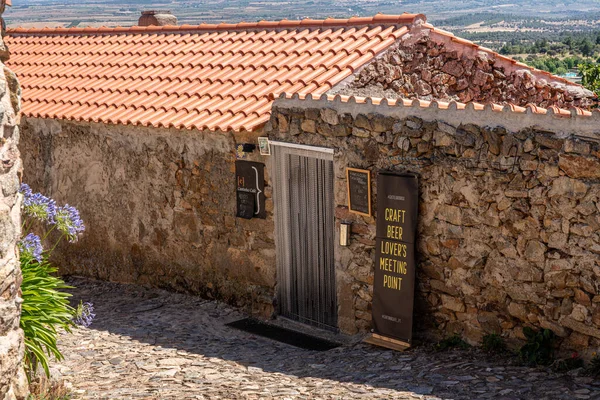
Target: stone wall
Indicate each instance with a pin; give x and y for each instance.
(13, 383)
(428, 65)
(507, 227)
(508, 215)
(159, 208)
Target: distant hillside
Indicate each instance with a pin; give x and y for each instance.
(452, 13)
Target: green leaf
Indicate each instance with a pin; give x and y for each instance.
(528, 332)
(45, 310)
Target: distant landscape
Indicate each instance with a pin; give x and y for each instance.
(478, 15)
(551, 35)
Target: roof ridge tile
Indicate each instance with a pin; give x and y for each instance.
(379, 19)
(571, 112)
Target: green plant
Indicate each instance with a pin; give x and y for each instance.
(451, 342)
(493, 343)
(568, 364)
(594, 367)
(42, 388)
(539, 349)
(590, 76)
(45, 309)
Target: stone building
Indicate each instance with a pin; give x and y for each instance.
(508, 217)
(143, 128)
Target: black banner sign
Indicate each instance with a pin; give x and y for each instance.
(359, 190)
(250, 178)
(394, 285)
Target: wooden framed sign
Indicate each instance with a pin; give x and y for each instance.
(395, 268)
(359, 191)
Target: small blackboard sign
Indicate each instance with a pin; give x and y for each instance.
(250, 179)
(359, 191)
(245, 205)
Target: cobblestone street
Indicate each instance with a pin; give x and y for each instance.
(150, 344)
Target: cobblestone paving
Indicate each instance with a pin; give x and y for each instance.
(150, 344)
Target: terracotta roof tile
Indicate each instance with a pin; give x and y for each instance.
(205, 77)
(417, 103)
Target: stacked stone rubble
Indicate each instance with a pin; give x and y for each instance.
(508, 222)
(430, 69)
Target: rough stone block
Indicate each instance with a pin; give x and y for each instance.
(577, 166)
(535, 251)
(330, 116)
(558, 240)
(282, 123)
(518, 194)
(309, 126)
(553, 326)
(312, 113)
(381, 123)
(452, 303)
(564, 186)
(332, 130)
(361, 121)
(412, 123)
(576, 341)
(295, 127)
(454, 68)
(518, 311)
(577, 146)
(582, 297)
(528, 165)
(451, 214)
(549, 141)
(442, 287)
(559, 265)
(580, 327)
(359, 132)
(582, 230)
(489, 322)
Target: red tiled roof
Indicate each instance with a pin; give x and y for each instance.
(217, 77)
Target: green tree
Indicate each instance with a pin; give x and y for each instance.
(590, 77)
(587, 48)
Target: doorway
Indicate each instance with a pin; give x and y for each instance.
(303, 196)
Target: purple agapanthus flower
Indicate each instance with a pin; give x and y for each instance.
(25, 190)
(32, 245)
(37, 205)
(85, 314)
(69, 222)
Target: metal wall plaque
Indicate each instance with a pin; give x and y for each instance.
(250, 179)
(359, 191)
(394, 284)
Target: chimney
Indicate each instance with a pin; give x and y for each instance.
(157, 18)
